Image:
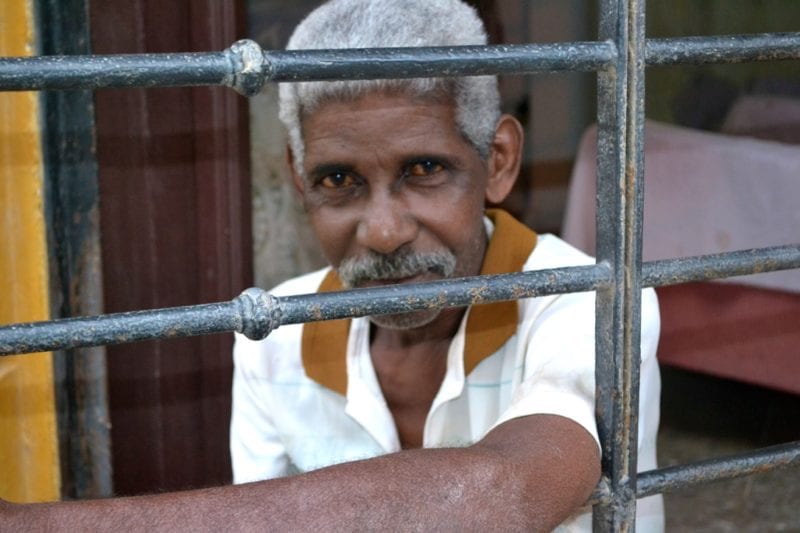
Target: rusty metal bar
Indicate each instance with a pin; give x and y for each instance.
(620, 202)
(229, 316)
(255, 313)
(458, 292)
(322, 65)
(240, 67)
(722, 265)
(690, 475)
(197, 320)
(73, 235)
(707, 471)
(723, 49)
(117, 328)
(245, 67)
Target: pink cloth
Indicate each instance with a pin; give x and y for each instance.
(773, 118)
(704, 193)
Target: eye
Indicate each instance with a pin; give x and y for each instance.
(337, 180)
(425, 167)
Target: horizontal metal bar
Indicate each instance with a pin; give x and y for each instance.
(119, 328)
(255, 313)
(457, 292)
(318, 65)
(246, 67)
(722, 49)
(241, 67)
(723, 265)
(93, 72)
(690, 475)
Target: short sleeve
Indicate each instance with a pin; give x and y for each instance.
(557, 368)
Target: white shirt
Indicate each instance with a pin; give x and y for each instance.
(284, 422)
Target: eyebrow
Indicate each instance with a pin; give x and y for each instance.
(323, 169)
(446, 159)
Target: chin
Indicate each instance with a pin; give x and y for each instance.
(415, 319)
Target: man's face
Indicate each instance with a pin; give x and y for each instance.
(394, 193)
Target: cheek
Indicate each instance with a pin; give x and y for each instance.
(333, 233)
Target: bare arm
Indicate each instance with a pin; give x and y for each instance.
(529, 473)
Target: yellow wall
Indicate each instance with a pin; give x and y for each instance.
(29, 469)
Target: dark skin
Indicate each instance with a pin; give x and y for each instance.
(413, 181)
(364, 194)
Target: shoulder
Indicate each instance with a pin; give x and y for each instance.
(307, 283)
(553, 252)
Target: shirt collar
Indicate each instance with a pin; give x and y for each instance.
(489, 326)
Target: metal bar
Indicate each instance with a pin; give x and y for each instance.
(723, 265)
(619, 234)
(255, 313)
(723, 49)
(98, 71)
(240, 67)
(448, 293)
(73, 235)
(610, 151)
(119, 328)
(689, 475)
(426, 62)
(692, 474)
(71, 333)
(246, 67)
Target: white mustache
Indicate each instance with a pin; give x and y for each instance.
(400, 264)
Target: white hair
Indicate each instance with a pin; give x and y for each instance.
(385, 24)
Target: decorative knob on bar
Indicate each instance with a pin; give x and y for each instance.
(248, 74)
(259, 313)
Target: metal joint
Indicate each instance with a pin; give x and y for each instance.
(602, 493)
(259, 313)
(248, 74)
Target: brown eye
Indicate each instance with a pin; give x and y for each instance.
(424, 168)
(337, 180)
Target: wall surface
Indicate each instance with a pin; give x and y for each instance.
(28, 443)
(699, 96)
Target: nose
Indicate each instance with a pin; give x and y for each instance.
(386, 223)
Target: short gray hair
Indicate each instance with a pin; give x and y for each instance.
(385, 24)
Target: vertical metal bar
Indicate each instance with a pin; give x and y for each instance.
(74, 250)
(619, 234)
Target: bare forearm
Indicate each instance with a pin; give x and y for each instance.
(415, 490)
(527, 475)
(408, 490)
(501, 485)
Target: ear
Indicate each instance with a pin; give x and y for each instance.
(504, 159)
(299, 185)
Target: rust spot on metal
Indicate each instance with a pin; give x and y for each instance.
(518, 292)
(478, 294)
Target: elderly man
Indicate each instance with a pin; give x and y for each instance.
(394, 176)
(439, 419)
